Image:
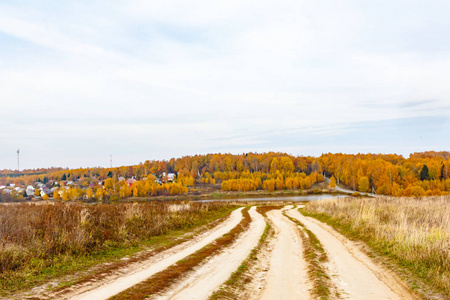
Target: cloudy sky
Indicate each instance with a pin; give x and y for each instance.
(80, 80)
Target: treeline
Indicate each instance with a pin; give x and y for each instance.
(17, 173)
(269, 181)
(426, 173)
(185, 167)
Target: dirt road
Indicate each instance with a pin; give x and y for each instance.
(159, 262)
(353, 272)
(287, 275)
(201, 283)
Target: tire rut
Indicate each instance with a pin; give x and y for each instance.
(287, 275)
(353, 272)
(157, 263)
(209, 276)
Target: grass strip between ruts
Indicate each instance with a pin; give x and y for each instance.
(264, 209)
(165, 278)
(315, 256)
(238, 277)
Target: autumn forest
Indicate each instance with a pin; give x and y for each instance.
(420, 174)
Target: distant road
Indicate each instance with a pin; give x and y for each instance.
(347, 191)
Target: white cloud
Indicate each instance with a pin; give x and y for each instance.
(177, 77)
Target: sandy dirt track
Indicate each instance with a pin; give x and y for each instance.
(209, 276)
(353, 272)
(160, 261)
(287, 276)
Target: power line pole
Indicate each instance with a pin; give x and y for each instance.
(18, 169)
(110, 160)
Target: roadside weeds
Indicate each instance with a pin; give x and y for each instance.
(416, 281)
(374, 223)
(42, 244)
(114, 261)
(166, 242)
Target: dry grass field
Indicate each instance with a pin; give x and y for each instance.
(415, 232)
(39, 242)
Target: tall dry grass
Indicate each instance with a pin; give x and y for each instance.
(414, 231)
(35, 237)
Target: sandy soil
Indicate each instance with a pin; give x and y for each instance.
(353, 272)
(145, 269)
(256, 277)
(207, 277)
(287, 275)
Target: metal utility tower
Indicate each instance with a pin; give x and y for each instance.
(18, 169)
(110, 160)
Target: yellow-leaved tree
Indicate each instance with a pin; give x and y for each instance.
(99, 194)
(363, 184)
(89, 193)
(56, 195)
(332, 182)
(109, 184)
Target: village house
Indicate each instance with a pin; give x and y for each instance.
(170, 177)
(43, 192)
(30, 190)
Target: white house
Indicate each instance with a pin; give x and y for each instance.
(30, 190)
(170, 177)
